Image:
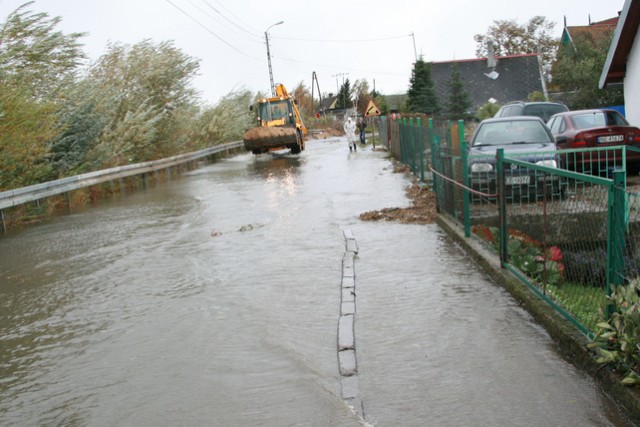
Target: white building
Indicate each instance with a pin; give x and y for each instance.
(623, 61)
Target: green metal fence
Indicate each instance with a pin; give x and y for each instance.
(568, 232)
(410, 140)
(382, 123)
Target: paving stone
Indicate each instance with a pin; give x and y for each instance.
(348, 271)
(348, 282)
(346, 339)
(348, 294)
(348, 308)
(347, 260)
(350, 387)
(347, 363)
(348, 234)
(352, 246)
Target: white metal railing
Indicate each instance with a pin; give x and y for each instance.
(22, 195)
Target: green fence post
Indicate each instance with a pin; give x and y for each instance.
(502, 207)
(431, 145)
(435, 151)
(615, 234)
(464, 153)
(421, 148)
(403, 140)
(416, 147)
(411, 147)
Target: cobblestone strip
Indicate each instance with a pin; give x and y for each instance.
(347, 362)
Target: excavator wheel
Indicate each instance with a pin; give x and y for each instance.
(299, 146)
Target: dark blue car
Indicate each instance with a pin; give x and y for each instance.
(524, 138)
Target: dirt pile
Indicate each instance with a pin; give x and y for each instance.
(422, 210)
(324, 133)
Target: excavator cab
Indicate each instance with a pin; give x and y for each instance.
(275, 113)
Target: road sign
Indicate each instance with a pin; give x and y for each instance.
(372, 109)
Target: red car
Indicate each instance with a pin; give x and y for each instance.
(595, 129)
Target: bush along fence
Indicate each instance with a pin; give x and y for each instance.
(568, 229)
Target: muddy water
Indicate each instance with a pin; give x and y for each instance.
(214, 300)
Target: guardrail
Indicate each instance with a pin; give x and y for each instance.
(31, 193)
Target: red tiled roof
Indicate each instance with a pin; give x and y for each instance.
(615, 66)
(596, 30)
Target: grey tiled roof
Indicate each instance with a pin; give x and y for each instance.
(518, 76)
(328, 103)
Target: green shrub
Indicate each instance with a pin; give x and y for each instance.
(618, 339)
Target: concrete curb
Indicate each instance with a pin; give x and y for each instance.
(347, 361)
(571, 342)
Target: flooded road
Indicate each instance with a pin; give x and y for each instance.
(214, 300)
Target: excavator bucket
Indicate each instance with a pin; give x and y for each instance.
(266, 138)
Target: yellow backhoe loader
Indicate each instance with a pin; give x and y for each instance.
(279, 125)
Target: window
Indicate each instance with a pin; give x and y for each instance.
(615, 119)
(590, 120)
(544, 111)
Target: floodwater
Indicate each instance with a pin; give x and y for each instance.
(214, 300)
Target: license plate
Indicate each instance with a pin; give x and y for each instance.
(517, 180)
(610, 138)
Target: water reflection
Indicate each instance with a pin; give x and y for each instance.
(276, 165)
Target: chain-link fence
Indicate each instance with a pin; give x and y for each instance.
(564, 222)
(568, 235)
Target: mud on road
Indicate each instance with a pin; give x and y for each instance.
(421, 211)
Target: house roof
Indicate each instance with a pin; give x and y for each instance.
(516, 76)
(328, 103)
(615, 66)
(594, 32)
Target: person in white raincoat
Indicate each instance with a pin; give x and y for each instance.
(349, 130)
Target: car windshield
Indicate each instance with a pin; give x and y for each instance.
(511, 132)
(598, 119)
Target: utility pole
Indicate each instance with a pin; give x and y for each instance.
(266, 37)
(415, 53)
(314, 78)
(344, 101)
(336, 76)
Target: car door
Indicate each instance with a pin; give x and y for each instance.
(558, 128)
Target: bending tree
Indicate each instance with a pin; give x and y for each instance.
(577, 73)
(510, 38)
(37, 64)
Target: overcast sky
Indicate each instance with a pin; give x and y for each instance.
(335, 39)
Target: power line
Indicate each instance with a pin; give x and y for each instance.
(257, 32)
(211, 32)
(341, 67)
(254, 35)
(218, 22)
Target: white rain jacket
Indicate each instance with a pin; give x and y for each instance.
(349, 130)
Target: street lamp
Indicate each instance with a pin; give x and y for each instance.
(266, 36)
